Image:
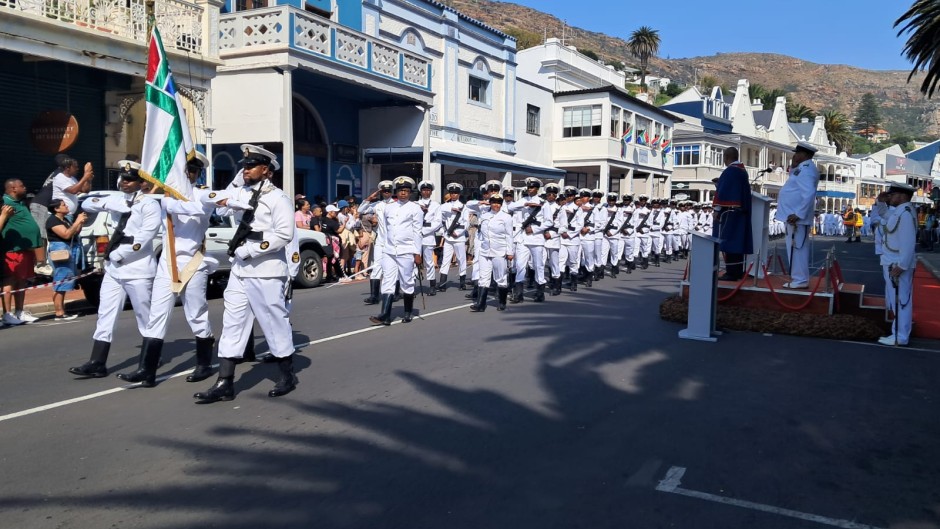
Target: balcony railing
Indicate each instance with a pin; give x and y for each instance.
(180, 23)
(267, 29)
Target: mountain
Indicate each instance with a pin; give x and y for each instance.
(818, 86)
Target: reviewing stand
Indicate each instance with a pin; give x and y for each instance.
(760, 224)
(703, 289)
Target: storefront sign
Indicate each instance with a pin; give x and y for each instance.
(54, 131)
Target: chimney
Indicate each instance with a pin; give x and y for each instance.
(804, 120)
(757, 105)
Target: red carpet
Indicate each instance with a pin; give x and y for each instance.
(926, 304)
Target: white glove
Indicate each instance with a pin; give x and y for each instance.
(235, 204)
(115, 257)
(242, 253)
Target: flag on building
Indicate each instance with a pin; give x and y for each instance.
(666, 146)
(625, 140)
(167, 143)
(655, 143)
(642, 138)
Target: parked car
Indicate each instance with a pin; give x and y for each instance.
(98, 229)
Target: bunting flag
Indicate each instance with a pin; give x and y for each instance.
(642, 138)
(666, 146)
(655, 143)
(167, 143)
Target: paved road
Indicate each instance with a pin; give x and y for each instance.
(565, 414)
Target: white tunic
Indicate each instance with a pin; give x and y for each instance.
(132, 260)
(900, 236)
(542, 219)
(403, 221)
(798, 194)
(274, 219)
(496, 233)
(432, 220)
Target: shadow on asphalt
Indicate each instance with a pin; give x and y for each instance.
(844, 432)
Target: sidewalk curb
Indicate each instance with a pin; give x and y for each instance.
(45, 309)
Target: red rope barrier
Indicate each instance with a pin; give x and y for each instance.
(57, 283)
(822, 275)
(740, 283)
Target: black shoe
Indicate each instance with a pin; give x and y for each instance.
(628, 268)
(555, 286)
(287, 381)
(614, 271)
(203, 368)
(384, 317)
(266, 358)
(588, 278)
(442, 286)
(432, 290)
(146, 372)
(473, 292)
(656, 259)
(516, 294)
(96, 367)
(463, 283)
(480, 304)
(502, 294)
(539, 293)
(375, 286)
(645, 263)
(409, 308)
(573, 283)
(222, 390)
(668, 258)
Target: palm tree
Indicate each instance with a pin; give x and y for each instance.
(644, 43)
(772, 95)
(838, 128)
(797, 111)
(922, 23)
(756, 91)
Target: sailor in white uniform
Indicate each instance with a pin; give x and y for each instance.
(190, 219)
(455, 222)
(571, 222)
(478, 208)
(432, 224)
(796, 206)
(588, 236)
(553, 239)
(612, 249)
(599, 219)
(535, 219)
(404, 221)
(129, 263)
(898, 260)
(258, 280)
(374, 205)
(641, 223)
(496, 247)
(627, 232)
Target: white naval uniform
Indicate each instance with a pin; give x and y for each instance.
(131, 267)
(553, 243)
(877, 225)
(376, 208)
(600, 218)
(430, 227)
(900, 238)
(686, 225)
(190, 222)
(656, 223)
(798, 197)
(455, 241)
(403, 224)
(628, 233)
(571, 221)
(613, 248)
(643, 239)
(259, 276)
(531, 247)
(588, 236)
(495, 236)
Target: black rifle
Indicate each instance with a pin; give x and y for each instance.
(626, 225)
(587, 219)
(244, 227)
(453, 224)
(118, 238)
(609, 222)
(530, 220)
(554, 227)
(643, 224)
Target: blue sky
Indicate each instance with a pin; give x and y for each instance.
(854, 32)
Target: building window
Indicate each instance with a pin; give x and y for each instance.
(615, 122)
(478, 88)
(581, 121)
(532, 119)
(687, 155)
(243, 5)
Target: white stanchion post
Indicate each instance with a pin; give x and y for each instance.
(703, 289)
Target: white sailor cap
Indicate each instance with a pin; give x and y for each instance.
(898, 187)
(425, 184)
(552, 188)
(570, 191)
(612, 196)
(254, 154)
(533, 182)
(129, 170)
(455, 187)
(508, 190)
(643, 197)
(805, 146)
(493, 185)
(628, 198)
(198, 161)
(404, 181)
(584, 192)
(386, 185)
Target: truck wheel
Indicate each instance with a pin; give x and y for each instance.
(91, 288)
(311, 269)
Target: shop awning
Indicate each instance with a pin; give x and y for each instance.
(480, 159)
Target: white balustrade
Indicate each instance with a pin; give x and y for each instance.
(385, 60)
(415, 70)
(350, 47)
(312, 33)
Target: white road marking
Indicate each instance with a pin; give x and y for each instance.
(673, 479)
(111, 391)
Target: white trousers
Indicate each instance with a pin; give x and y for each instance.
(644, 245)
(630, 248)
(901, 327)
(450, 248)
(800, 252)
(492, 268)
(248, 299)
(401, 269)
(377, 252)
(427, 256)
(656, 239)
(615, 251)
(601, 249)
(587, 249)
(534, 256)
(551, 260)
(114, 292)
(573, 257)
(195, 306)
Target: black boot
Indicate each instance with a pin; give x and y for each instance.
(588, 278)
(529, 278)
(249, 354)
(614, 271)
(384, 317)
(601, 272)
(516, 294)
(432, 290)
(502, 294)
(644, 263)
(655, 259)
(96, 366)
(573, 282)
(223, 389)
(397, 296)
(473, 292)
(668, 258)
(146, 372)
(442, 286)
(375, 286)
(286, 382)
(480, 304)
(539, 293)
(556, 286)
(463, 283)
(409, 308)
(203, 360)
(629, 267)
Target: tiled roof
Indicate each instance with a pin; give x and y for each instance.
(802, 130)
(763, 118)
(473, 21)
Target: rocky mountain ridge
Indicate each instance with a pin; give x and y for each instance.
(818, 86)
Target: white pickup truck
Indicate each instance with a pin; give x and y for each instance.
(98, 228)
